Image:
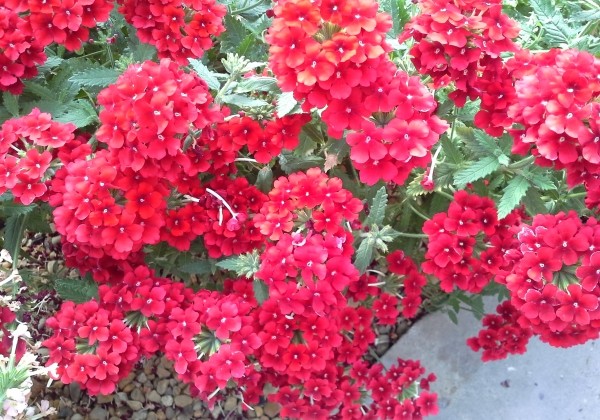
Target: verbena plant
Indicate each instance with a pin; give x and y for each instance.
(251, 189)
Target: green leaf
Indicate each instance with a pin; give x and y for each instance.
(513, 193)
(264, 180)
(451, 151)
(377, 208)
(140, 51)
(285, 104)
(11, 103)
(244, 265)
(8, 207)
(199, 267)
(77, 290)
(475, 171)
(81, 113)
(205, 74)
(453, 317)
(540, 179)
(13, 234)
(553, 23)
(95, 77)
(414, 187)
(291, 163)
(364, 254)
(257, 83)
(533, 202)
(242, 101)
(234, 34)
(261, 291)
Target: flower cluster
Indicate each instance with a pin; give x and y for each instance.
(502, 335)
(556, 107)
(27, 27)
(412, 279)
(399, 135)
(149, 112)
(554, 282)
(20, 51)
(29, 146)
(179, 29)
(92, 346)
(457, 39)
(332, 54)
(455, 238)
(264, 140)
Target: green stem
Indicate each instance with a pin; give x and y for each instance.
(418, 213)
(245, 9)
(523, 163)
(412, 235)
(225, 88)
(445, 194)
(577, 195)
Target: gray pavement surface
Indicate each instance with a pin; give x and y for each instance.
(546, 383)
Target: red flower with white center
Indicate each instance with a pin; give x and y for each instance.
(224, 319)
(182, 353)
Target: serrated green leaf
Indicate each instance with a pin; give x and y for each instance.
(77, 290)
(533, 202)
(364, 254)
(81, 113)
(10, 208)
(476, 170)
(541, 180)
(451, 151)
(39, 90)
(258, 83)
(11, 103)
(95, 77)
(139, 51)
(414, 187)
(553, 23)
(512, 195)
(205, 74)
(377, 208)
(243, 101)
(234, 34)
(261, 291)
(244, 265)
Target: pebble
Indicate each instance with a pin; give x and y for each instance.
(98, 413)
(76, 416)
(230, 404)
(106, 399)
(183, 400)
(160, 415)
(141, 378)
(127, 380)
(258, 411)
(167, 400)
(271, 409)
(162, 372)
(135, 405)
(128, 388)
(152, 416)
(161, 386)
(139, 415)
(153, 396)
(137, 395)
